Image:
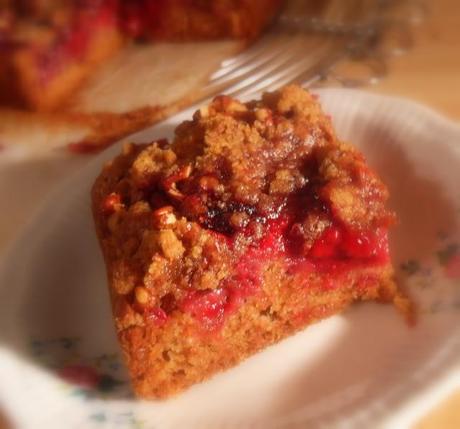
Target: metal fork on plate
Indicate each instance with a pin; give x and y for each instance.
(308, 46)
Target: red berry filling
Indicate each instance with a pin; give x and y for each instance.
(328, 244)
(335, 252)
(341, 243)
(281, 231)
(208, 307)
(273, 234)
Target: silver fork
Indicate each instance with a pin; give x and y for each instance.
(305, 48)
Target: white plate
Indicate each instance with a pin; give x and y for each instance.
(365, 368)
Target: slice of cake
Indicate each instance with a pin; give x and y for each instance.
(254, 222)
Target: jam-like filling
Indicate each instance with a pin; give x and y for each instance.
(337, 251)
(334, 254)
(211, 307)
(270, 235)
(340, 244)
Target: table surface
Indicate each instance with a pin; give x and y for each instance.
(429, 73)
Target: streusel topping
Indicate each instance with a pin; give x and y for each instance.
(267, 175)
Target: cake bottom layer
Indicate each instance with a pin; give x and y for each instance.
(166, 358)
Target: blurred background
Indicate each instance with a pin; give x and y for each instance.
(84, 73)
(76, 76)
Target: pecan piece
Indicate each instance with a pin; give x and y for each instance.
(163, 217)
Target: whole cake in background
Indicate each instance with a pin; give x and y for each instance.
(252, 223)
(48, 48)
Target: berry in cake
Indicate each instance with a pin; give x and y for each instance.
(252, 223)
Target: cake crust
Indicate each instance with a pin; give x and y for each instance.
(255, 221)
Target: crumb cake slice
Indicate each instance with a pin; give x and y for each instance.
(254, 222)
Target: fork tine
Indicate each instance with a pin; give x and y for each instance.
(248, 55)
(282, 70)
(252, 49)
(271, 49)
(248, 67)
(305, 74)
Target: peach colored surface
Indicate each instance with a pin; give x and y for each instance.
(430, 73)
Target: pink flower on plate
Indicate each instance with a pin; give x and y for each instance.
(452, 267)
(83, 376)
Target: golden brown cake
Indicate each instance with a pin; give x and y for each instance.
(252, 223)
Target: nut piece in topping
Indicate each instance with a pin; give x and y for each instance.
(209, 184)
(224, 103)
(123, 277)
(111, 203)
(239, 220)
(150, 163)
(286, 181)
(163, 217)
(142, 295)
(170, 245)
(174, 192)
(170, 183)
(204, 111)
(263, 115)
(309, 230)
